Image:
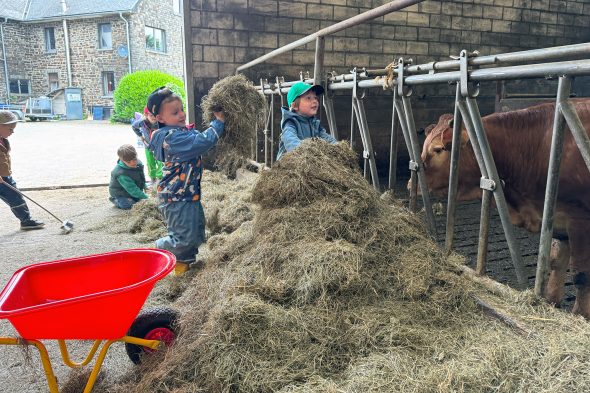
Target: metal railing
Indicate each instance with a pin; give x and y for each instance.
(466, 70)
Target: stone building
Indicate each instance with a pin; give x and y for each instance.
(104, 40)
(225, 34)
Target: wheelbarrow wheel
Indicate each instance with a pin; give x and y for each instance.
(155, 324)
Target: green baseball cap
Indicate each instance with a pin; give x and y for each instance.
(299, 89)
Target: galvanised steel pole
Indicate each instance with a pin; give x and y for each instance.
(577, 129)
(350, 22)
(453, 174)
(484, 222)
(555, 156)
(570, 68)
(535, 55)
(418, 160)
(393, 146)
(501, 204)
(399, 110)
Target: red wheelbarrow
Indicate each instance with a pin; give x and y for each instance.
(95, 297)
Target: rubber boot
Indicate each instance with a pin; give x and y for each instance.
(181, 268)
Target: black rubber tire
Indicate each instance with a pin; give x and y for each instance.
(146, 322)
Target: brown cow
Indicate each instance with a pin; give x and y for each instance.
(520, 142)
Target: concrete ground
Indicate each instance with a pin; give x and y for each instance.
(53, 154)
(67, 153)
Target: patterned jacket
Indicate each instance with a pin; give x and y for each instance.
(180, 148)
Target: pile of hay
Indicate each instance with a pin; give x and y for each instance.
(244, 108)
(330, 289)
(146, 221)
(227, 202)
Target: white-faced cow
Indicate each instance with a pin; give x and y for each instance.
(520, 142)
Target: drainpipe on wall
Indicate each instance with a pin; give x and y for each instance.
(128, 41)
(189, 82)
(5, 60)
(67, 44)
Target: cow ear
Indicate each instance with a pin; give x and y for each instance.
(447, 138)
(429, 129)
(451, 122)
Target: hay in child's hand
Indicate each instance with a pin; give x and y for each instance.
(244, 108)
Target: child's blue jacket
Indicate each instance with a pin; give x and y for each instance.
(180, 149)
(141, 128)
(296, 128)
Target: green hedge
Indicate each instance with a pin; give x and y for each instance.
(133, 90)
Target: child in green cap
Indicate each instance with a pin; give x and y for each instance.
(299, 122)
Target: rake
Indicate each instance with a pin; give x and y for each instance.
(66, 225)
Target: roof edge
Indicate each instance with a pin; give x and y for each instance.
(77, 16)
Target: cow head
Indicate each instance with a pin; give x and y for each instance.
(436, 153)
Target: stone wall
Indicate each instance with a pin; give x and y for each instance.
(27, 59)
(89, 62)
(229, 33)
(158, 14)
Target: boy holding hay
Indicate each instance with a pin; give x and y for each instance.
(127, 179)
(180, 148)
(299, 122)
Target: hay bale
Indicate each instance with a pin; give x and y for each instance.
(244, 109)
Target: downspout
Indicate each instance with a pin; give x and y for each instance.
(128, 41)
(67, 43)
(5, 60)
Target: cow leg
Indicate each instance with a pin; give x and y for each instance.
(558, 261)
(578, 230)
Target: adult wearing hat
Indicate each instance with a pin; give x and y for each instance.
(299, 121)
(8, 121)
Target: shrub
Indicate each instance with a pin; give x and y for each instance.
(132, 93)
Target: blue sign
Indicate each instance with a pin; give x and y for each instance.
(122, 51)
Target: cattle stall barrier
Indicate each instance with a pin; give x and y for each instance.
(401, 77)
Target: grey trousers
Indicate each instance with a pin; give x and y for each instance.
(186, 229)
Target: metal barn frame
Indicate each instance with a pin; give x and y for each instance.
(464, 71)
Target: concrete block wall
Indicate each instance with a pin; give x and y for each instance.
(229, 33)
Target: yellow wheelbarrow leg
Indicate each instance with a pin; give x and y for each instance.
(51, 380)
(66, 356)
(153, 344)
(97, 366)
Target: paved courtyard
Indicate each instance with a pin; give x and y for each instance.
(67, 153)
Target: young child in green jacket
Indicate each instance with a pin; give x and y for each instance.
(127, 179)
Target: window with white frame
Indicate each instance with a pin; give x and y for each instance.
(20, 86)
(49, 40)
(108, 83)
(177, 6)
(53, 79)
(105, 36)
(155, 39)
